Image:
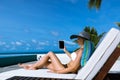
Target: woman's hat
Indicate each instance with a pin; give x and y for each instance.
(83, 34)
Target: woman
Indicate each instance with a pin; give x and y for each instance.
(51, 61)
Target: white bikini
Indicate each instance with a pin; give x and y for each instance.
(73, 55)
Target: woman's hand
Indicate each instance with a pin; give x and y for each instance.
(64, 49)
(68, 53)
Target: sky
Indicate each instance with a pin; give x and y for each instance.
(38, 25)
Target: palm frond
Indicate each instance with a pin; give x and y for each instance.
(98, 3)
(94, 3)
(87, 29)
(118, 24)
(91, 3)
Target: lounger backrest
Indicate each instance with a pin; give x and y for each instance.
(100, 40)
(104, 58)
(84, 73)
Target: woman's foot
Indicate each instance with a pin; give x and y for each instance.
(26, 66)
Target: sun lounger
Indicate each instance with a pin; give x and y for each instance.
(100, 56)
(96, 68)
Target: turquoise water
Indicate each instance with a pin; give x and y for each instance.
(7, 59)
(15, 58)
(4, 55)
(13, 55)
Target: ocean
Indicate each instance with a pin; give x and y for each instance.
(12, 58)
(11, 54)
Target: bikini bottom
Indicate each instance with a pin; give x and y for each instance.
(65, 65)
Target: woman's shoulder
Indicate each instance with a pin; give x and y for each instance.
(76, 49)
(80, 49)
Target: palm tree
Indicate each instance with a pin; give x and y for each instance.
(118, 24)
(94, 37)
(94, 3)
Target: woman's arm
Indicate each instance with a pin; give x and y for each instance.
(68, 53)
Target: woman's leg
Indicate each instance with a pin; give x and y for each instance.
(26, 66)
(38, 64)
(49, 61)
(53, 64)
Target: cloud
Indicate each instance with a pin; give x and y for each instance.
(72, 1)
(2, 43)
(27, 30)
(69, 42)
(34, 41)
(18, 43)
(13, 43)
(43, 43)
(55, 44)
(28, 44)
(39, 43)
(27, 48)
(54, 33)
(7, 46)
(0, 37)
(13, 48)
(91, 20)
(39, 48)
